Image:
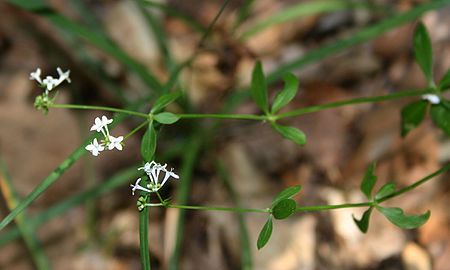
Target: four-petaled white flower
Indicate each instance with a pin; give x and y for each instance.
(115, 143)
(50, 82)
(36, 75)
(63, 75)
(95, 148)
(153, 171)
(432, 98)
(99, 124)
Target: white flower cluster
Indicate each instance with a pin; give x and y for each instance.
(433, 99)
(109, 142)
(153, 170)
(49, 82)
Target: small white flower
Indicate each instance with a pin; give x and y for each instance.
(63, 75)
(115, 143)
(136, 186)
(50, 82)
(95, 148)
(36, 75)
(433, 99)
(99, 124)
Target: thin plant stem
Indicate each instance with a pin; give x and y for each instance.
(342, 103)
(216, 208)
(143, 124)
(99, 108)
(143, 238)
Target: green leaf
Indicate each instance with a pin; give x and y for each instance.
(423, 51)
(164, 100)
(287, 94)
(440, 113)
(291, 133)
(412, 115)
(369, 181)
(259, 87)
(284, 208)
(265, 234)
(166, 118)
(148, 143)
(363, 223)
(287, 194)
(386, 190)
(398, 218)
(444, 84)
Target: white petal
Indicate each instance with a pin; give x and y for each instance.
(433, 99)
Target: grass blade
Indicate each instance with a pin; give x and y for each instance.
(26, 230)
(301, 10)
(361, 36)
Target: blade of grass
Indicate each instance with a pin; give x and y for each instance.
(26, 230)
(159, 33)
(188, 162)
(361, 36)
(100, 41)
(301, 10)
(177, 14)
(243, 13)
(246, 263)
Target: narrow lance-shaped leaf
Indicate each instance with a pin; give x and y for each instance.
(166, 118)
(444, 84)
(148, 143)
(423, 52)
(369, 181)
(440, 114)
(363, 223)
(258, 88)
(291, 133)
(412, 115)
(287, 194)
(265, 234)
(398, 218)
(284, 208)
(386, 190)
(287, 94)
(164, 100)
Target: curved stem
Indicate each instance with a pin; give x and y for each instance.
(100, 108)
(332, 206)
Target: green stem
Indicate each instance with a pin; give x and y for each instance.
(100, 108)
(415, 184)
(331, 206)
(224, 116)
(214, 208)
(360, 100)
(136, 130)
(143, 238)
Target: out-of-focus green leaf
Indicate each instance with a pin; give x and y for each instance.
(398, 218)
(291, 133)
(284, 208)
(412, 115)
(386, 190)
(148, 143)
(164, 100)
(287, 194)
(265, 234)
(424, 52)
(166, 118)
(440, 114)
(287, 94)
(369, 181)
(363, 223)
(258, 88)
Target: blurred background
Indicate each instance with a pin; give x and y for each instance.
(123, 51)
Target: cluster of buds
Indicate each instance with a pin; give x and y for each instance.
(109, 142)
(153, 171)
(43, 101)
